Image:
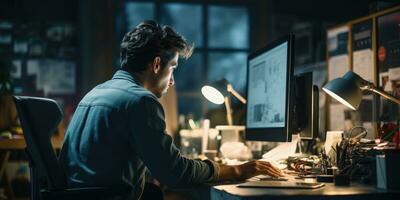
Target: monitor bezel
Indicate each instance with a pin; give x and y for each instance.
(281, 134)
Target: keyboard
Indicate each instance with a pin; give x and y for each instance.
(277, 184)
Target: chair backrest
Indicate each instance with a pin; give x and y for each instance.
(39, 119)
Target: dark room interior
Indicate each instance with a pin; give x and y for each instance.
(266, 99)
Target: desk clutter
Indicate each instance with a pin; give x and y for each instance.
(345, 157)
(368, 161)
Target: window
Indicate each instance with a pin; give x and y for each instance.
(227, 27)
(221, 37)
(137, 12)
(185, 18)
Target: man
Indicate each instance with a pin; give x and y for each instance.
(118, 129)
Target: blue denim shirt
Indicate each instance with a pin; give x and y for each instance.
(117, 132)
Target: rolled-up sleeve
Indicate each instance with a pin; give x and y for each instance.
(157, 151)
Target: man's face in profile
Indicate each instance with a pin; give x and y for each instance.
(165, 78)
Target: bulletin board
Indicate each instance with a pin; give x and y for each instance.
(388, 62)
(338, 62)
(373, 52)
(45, 59)
(363, 64)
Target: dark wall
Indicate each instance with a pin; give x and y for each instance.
(270, 19)
(94, 20)
(97, 22)
(39, 10)
(308, 19)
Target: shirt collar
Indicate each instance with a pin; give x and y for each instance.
(122, 74)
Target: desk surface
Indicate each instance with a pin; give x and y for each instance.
(19, 143)
(6, 146)
(12, 144)
(330, 191)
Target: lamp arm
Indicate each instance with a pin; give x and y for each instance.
(230, 89)
(372, 88)
(228, 110)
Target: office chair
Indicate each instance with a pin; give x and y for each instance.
(39, 119)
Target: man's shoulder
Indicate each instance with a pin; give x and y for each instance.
(125, 83)
(116, 93)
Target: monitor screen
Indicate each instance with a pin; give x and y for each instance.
(269, 92)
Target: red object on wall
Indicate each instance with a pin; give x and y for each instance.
(381, 53)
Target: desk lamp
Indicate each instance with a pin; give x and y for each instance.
(219, 93)
(348, 90)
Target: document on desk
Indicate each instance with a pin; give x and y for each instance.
(282, 151)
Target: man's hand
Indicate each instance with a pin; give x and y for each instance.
(254, 168)
(248, 170)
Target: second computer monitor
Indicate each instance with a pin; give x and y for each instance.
(270, 92)
(306, 107)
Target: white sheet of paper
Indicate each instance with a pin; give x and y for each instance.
(363, 64)
(338, 66)
(283, 150)
(387, 85)
(332, 138)
(394, 74)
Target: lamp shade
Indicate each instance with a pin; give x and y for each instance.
(215, 92)
(346, 89)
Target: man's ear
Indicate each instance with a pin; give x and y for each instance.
(156, 65)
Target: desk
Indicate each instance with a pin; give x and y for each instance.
(8, 145)
(330, 191)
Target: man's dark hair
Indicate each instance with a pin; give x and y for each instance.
(149, 40)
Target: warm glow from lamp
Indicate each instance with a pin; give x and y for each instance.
(338, 98)
(212, 94)
(219, 93)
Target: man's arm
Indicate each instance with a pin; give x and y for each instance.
(156, 149)
(165, 162)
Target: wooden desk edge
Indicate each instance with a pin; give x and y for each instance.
(19, 143)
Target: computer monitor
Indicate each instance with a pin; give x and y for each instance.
(306, 107)
(270, 92)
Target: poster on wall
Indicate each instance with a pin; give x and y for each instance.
(45, 57)
(5, 37)
(53, 76)
(363, 65)
(362, 50)
(388, 46)
(338, 63)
